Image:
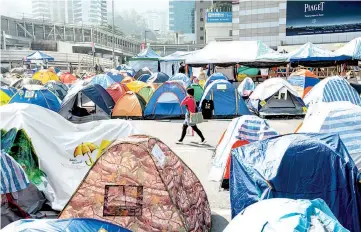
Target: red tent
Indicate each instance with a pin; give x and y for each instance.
(117, 90)
(68, 78)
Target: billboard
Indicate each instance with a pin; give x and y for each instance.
(322, 17)
(219, 17)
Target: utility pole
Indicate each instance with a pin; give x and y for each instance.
(113, 53)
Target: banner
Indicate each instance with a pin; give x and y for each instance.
(322, 17)
(219, 17)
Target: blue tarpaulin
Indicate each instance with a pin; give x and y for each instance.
(298, 166)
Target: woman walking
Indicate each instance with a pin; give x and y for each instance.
(190, 104)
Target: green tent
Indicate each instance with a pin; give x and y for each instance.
(146, 93)
(198, 91)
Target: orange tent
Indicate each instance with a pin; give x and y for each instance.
(130, 105)
(117, 90)
(68, 78)
(127, 79)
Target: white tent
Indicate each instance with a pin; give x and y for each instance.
(174, 60)
(352, 48)
(55, 141)
(234, 52)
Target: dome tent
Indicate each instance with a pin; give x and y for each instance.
(68, 78)
(303, 81)
(37, 95)
(144, 77)
(130, 105)
(158, 77)
(103, 80)
(6, 93)
(58, 88)
(152, 181)
(141, 72)
(297, 166)
(198, 91)
(214, 77)
(117, 90)
(146, 92)
(117, 77)
(19, 83)
(182, 79)
(45, 76)
(246, 87)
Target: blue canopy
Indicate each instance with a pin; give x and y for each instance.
(38, 56)
(103, 80)
(146, 54)
(115, 76)
(297, 166)
(38, 96)
(165, 102)
(227, 102)
(311, 52)
(214, 77)
(63, 225)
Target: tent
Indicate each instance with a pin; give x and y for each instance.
(352, 49)
(158, 190)
(181, 79)
(214, 77)
(144, 77)
(19, 83)
(170, 64)
(246, 87)
(227, 102)
(45, 76)
(117, 90)
(54, 70)
(165, 102)
(311, 54)
(297, 166)
(146, 58)
(127, 79)
(130, 105)
(37, 95)
(242, 130)
(332, 89)
(58, 88)
(135, 86)
(141, 72)
(158, 77)
(87, 103)
(103, 80)
(19, 198)
(286, 215)
(276, 96)
(38, 56)
(198, 91)
(342, 118)
(59, 152)
(6, 93)
(68, 78)
(117, 77)
(253, 53)
(303, 81)
(147, 91)
(64, 225)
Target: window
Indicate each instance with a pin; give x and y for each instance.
(123, 200)
(201, 19)
(201, 38)
(201, 28)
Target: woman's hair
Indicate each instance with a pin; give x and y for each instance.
(190, 91)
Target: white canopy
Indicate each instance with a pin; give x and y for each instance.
(233, 52)
(352, 48)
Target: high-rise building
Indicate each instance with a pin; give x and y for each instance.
(71, 11)
(156, 20)
(181, 18)
(200, 14)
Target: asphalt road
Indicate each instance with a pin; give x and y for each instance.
(199, 158)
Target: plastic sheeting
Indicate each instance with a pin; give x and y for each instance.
(246, 87)
(298, 166)
(250, 128)
(63, 225)
(286, 215)
(54, 141)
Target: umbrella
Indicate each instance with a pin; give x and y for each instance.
(85, 149)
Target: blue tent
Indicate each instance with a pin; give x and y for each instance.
(144, 77)
(103, 80)
(10, 91)
(281, 214)
(182, 79)
(38, 56)
(115, 76)
(227, 102)
(214, 77)
(37, 95)
(298, 166)
(58, 88)
(63, 225)
(158, 77)
(165, 102)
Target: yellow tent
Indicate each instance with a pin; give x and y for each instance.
(45, 75)
(4, 98)
(135, 86)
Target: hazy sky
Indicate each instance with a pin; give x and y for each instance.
(13, 8)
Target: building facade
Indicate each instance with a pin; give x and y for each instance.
(181, 18)
(267, 21)
(71, 11)
(156, 20)
(200, 15)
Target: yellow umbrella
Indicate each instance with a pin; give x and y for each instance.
(135, 86)
(85, 149)
(45, 75)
